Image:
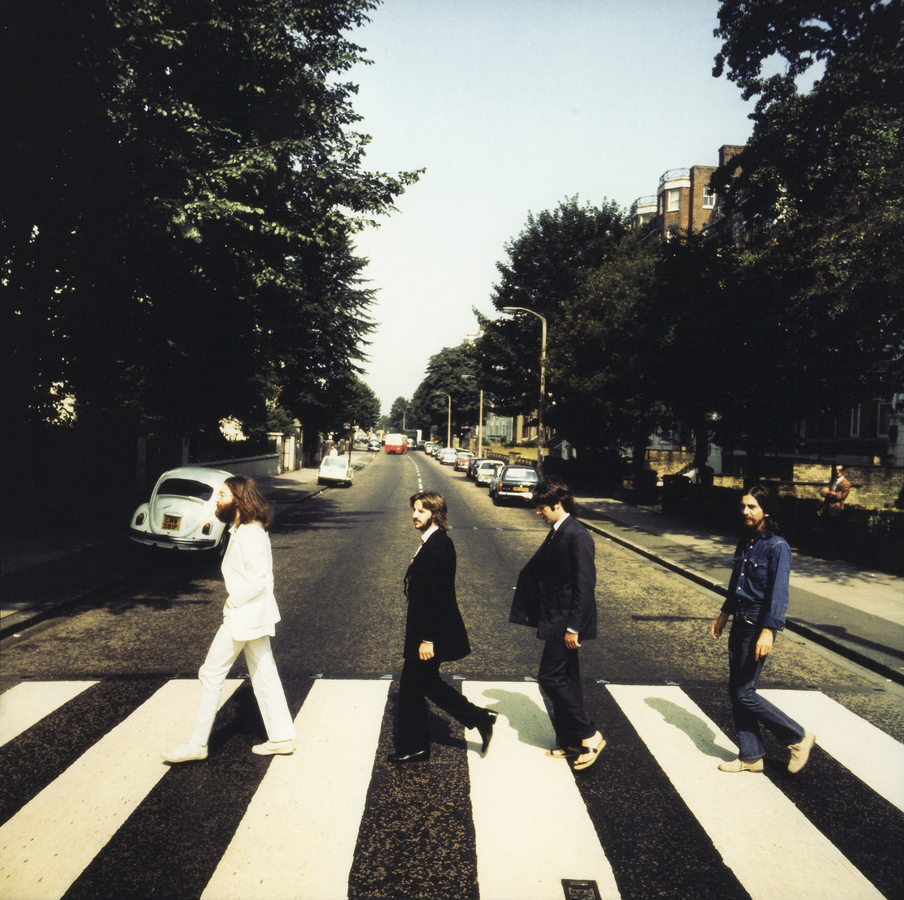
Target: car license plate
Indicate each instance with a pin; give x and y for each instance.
(519, 487)
(171, 523)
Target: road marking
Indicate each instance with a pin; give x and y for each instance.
(51, 840)
(532, 826)
(298, 837)
(27, 703)
(873, 756)
(772, 848)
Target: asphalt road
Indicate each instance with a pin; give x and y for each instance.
(339, 559)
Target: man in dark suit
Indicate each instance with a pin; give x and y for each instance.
(434, 633)
(555, 594)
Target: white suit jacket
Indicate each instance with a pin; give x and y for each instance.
(251, 610)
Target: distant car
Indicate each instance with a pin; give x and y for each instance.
(335, 469)
(436, 449)
(421, 445)
(411, 444)
(462, 458)
(487, 470)
(428, 447)
(513, 483)
(182, 511)
(473, 463)
(373, 445)
(447, 456)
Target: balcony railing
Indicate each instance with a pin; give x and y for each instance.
(674, 175)
(648, 200)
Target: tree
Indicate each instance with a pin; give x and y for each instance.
(398, 414)
(609, 373)
(179, 199)
(819, 194)
(453, 371)
(545, 268)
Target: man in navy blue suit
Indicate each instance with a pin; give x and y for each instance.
(434, 633)
(555, 595)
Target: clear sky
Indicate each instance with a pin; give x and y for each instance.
(513, 106)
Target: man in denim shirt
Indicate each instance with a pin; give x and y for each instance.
(757, 601)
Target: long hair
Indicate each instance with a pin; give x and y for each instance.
(768, 501)
(249, 501)
(551, 491)
(436, 503)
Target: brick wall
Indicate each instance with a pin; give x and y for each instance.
(871, 486)
(668, 462)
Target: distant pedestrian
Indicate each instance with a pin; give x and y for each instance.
(249, 620)
(556, 595)
(434, 633)
(834, 494)
(757, 602)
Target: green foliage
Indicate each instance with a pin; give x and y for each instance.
(181, 187)
(546, 266)
(453, 371)
(398, 415)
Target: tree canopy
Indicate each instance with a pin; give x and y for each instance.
(182, 185)
(453, 371)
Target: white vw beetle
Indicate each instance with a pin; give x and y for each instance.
(181, 513)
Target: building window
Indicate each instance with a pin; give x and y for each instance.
(709, 197)
(855, 421)
(884, 419)
(674, 200)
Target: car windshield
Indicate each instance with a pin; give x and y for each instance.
(186, 487)
(520, 474)
(335, 462)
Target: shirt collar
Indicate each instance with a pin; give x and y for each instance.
(428, 533)
(555, 525)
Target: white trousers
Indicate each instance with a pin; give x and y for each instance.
(268, 689)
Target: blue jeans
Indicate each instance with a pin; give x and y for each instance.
(748, 708)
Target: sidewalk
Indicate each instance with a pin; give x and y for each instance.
(857, 613)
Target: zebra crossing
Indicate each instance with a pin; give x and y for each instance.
(88, 809)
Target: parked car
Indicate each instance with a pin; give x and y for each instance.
(447, 456)
(373, 445)
(428, 447)
(462, 458)
(473, 463)
(487, 470)
(513, 483)
(336, 469)
(437, 449)
(182, 511)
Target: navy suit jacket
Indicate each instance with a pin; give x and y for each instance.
(556, 589)
(433, 613)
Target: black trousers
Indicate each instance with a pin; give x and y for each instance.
(560, 678)
(420, 680)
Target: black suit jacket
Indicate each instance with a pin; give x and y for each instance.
(433, 613)
(556, 589)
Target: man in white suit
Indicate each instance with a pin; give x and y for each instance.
(249, 621)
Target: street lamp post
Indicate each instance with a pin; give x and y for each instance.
(542, 383)
(449, 419)
(479, 419)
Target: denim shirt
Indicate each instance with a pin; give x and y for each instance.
(758, 589)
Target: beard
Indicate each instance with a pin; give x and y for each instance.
(226, 512)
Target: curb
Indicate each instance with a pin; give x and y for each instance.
(719, 587)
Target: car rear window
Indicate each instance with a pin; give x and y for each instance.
(186, 487)
(521, 474)
(336, 461)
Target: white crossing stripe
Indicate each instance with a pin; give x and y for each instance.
(27, 703)
(532, 826)
(771, 847)
(51, 840)
(298, 837)
(873, 756)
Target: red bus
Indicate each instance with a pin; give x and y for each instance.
(396, 443)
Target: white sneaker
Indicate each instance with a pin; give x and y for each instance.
(738, 765)
(271, 748)
(185, 753)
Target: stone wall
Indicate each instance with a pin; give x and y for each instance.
(668, 462)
